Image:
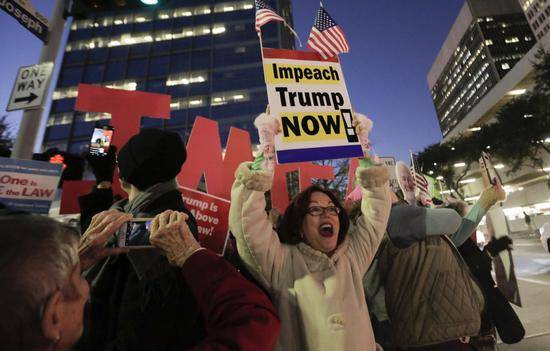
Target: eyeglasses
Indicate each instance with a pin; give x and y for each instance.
(320, 210)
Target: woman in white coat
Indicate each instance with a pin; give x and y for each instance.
(312, 268)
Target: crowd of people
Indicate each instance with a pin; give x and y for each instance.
(382, 272)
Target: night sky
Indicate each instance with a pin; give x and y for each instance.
(393, 45)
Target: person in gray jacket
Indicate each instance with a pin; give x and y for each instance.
(420, 283)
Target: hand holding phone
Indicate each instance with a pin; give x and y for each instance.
(101, 140)
(91, 248)
(135, 234)
(171, 234)
(103, 167)
(489, 174)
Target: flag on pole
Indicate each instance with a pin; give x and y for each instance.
(326, 37)
(265, 14)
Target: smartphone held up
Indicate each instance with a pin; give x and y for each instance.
(135, 234)
(489, 173)
(101, 140)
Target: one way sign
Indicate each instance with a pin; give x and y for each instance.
(30, 86)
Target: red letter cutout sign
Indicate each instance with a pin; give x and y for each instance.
(204, 156)
(126, 109)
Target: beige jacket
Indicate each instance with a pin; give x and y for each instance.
(320, 299)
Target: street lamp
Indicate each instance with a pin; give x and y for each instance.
(150, 2)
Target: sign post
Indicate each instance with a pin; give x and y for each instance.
(309, 97)
(30, 86)
(25, 13)
(31, 121)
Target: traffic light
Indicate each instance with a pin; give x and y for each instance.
(73, 165)
(80, 6)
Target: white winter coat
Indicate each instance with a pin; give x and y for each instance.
(320, 299)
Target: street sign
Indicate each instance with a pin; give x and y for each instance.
(24, 12)
(30, 86)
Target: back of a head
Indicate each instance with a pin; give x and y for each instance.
(37, 256)
(150, 157)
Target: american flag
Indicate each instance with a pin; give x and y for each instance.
(326, 37)
(265, 14)
(420, 180)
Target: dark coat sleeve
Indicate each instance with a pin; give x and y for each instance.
(91, 204)
(237, 315)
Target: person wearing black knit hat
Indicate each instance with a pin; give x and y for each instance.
(150, 157)
(147, 287)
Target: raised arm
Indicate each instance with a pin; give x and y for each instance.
(237, 315)
(487, 199)
(409, 224)
(257, 243)
(375, 208)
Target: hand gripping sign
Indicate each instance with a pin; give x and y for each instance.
(309, 97)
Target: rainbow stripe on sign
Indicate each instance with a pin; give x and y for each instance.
(309, 97)
(331, 152)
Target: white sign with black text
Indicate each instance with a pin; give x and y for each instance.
(30, 86)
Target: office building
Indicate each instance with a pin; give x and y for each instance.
(538, 15)
(205, 54)
(484, 43)
(527, 189)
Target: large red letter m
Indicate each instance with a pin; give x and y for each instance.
(205, 156)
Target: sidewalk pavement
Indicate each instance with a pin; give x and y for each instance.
(533, 274)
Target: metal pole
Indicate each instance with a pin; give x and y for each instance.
(30, 123)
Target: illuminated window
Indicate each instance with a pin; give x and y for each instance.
(163, 15)
(488, 42)
(505, 65)
(511, 40)
(186, 78)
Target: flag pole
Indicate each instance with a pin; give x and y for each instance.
(413, 167)
(261, 45)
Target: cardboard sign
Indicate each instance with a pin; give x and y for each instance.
(389, 162)
(310, 98)
(28, 186)
(212, 215)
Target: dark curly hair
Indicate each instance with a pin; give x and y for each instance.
(291, 223)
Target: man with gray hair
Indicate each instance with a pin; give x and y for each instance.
(42, 297)
(43, 294)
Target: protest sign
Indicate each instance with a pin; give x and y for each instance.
(309, 97)
(389, 163)
(211, 213)
(28, 186)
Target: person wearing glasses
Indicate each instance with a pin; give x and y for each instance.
(44, 294)
(313, 264)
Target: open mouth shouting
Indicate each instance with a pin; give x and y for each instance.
(326, 230)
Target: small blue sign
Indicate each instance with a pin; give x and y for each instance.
(27, 185)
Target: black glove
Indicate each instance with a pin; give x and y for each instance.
(103, 167)
(497, 245)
